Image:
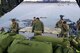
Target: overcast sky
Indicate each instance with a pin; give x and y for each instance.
(41, 0)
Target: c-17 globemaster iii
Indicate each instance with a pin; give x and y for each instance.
(8, 5)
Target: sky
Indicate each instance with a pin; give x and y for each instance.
(41, 0)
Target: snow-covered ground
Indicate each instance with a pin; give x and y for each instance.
(49, 10)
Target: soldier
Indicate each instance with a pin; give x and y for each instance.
(38, 27)
(34, 18)
(2, 30)
(64, 29)
(14, 26)
(78, 24)
(78, 27)
(73, 29)
(59, 23)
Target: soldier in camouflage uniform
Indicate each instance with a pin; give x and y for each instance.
(34, 18)
(38, 27)
(64, 29)
(78, 27)
(59, 24)
(14, 27)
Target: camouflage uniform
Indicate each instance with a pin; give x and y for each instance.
(33, 21)
(59, 25)
(78, 24)
(38, 27)
(15, 27)
(78, 27)
(64, 30)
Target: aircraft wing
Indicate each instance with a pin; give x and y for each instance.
(8, 5)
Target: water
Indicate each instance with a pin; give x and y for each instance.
(49, 10)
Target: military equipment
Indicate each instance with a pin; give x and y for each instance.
(58, 49)
(68, 50)
(77, 51)
(5, 41)
(1, 51)
(48, 39)
(38, 44)
(12, 34)
(66, 42)
(75, 44)
(26, 46)
(18, 36)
